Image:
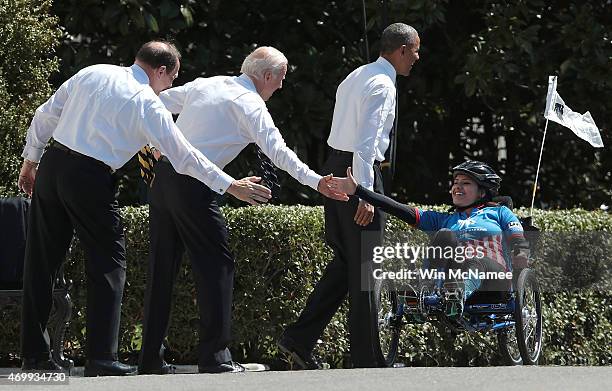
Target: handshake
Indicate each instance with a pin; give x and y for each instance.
(250, 190)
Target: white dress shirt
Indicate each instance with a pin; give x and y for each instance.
(363, 117)
(109, 112)
(221, 115)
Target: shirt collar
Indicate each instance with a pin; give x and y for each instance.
(139, 74)
(388, 67)
(245, 81)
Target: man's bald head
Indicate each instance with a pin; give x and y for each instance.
(159, 53)
(264, 59)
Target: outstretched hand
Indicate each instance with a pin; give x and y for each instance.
(325, 189)
(248, 190)
(346, 185)
(27, 176)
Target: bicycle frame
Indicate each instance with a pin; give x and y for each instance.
(479, 317)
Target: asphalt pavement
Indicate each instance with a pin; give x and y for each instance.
(525, 378)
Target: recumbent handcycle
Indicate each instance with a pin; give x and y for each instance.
(515, 316)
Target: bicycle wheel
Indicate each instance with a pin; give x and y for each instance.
(528, 317)
(389, 323)
(508, 346)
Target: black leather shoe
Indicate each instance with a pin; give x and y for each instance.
(300, 356)
(32, 364)
(165, 369)
(108, 368)
(226, 367)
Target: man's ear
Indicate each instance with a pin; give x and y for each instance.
(161, 70)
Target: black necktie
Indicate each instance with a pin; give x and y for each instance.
(268, 173)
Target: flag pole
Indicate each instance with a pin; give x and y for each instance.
(535, 185)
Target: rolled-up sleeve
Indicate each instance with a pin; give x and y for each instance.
(45, 121)
(376, 107)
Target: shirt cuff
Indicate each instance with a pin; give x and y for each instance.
(363, 172)
(32, 154)
(312, 179)
(222, 183)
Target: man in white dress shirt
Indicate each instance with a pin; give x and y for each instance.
(220, 116)
(98, 119)
(363, 117)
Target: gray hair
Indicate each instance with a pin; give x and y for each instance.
(396, 35)
(263, 59)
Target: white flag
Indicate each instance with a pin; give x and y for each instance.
(582, 125)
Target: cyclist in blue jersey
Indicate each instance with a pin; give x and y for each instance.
(491, 230)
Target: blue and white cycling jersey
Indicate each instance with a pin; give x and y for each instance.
(487, 227)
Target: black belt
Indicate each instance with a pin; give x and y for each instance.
(64, 148)
(338, 152)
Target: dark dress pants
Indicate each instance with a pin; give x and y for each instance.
(184, 215)
(349, 272)
(73, 193)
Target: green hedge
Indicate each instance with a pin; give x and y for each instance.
(28, 38)
(280, 256)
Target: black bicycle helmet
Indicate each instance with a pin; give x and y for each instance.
(484, 175)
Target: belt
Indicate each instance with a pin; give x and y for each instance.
(338, 152)
(64, 148)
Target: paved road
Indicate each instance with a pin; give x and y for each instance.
(490, 378)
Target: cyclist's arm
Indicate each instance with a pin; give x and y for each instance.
(513, 230)
(404, 212)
